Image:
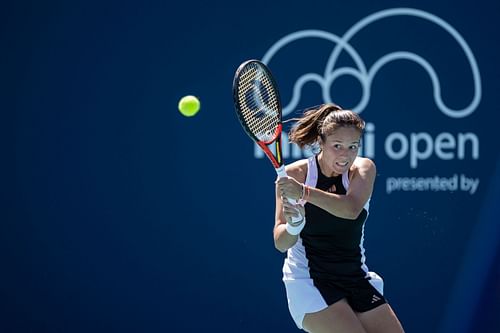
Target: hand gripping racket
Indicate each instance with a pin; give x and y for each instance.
(257, 104)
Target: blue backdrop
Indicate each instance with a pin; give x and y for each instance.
(121, 215)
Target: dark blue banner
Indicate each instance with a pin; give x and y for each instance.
(123, 215)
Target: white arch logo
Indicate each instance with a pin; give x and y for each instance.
(365, 76)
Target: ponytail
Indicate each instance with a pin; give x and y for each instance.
(319, 122)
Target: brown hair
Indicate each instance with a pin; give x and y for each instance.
(321, 121)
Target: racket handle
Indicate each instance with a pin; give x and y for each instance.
(282, 174)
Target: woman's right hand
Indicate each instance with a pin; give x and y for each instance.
(293, 210)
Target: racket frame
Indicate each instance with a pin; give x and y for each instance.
(276, 160)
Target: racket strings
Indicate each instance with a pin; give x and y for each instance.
(259, 103)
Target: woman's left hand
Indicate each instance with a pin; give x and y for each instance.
(290, 188)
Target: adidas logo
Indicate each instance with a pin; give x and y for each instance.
(375, 298)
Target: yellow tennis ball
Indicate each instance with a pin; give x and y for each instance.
(189, 105)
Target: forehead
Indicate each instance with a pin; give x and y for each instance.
(344, 134)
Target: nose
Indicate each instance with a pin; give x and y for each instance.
(343, 152)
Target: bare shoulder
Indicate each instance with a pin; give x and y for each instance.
(364, 166)
(297, 170)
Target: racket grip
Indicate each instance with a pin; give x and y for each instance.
(282, 174)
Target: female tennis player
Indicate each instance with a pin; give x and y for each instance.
(328, 284)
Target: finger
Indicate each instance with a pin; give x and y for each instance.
(292, 211)
(283, 180)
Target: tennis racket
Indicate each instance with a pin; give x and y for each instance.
(258, 106)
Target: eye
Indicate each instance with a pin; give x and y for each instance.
(337, 146)
(353, 147)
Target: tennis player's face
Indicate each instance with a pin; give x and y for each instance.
(340, 149)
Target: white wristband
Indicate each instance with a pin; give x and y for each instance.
(295, 230)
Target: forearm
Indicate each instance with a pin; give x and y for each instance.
(282, 239)
(335, 204)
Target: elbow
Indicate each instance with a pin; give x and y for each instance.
(353, 209)
(282, 249)
(353, 213)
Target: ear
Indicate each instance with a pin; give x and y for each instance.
(321, 142)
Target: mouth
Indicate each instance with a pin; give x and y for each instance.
(341, 164)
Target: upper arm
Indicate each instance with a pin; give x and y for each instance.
(361, 183)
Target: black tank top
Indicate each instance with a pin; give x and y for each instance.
(333, 245)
